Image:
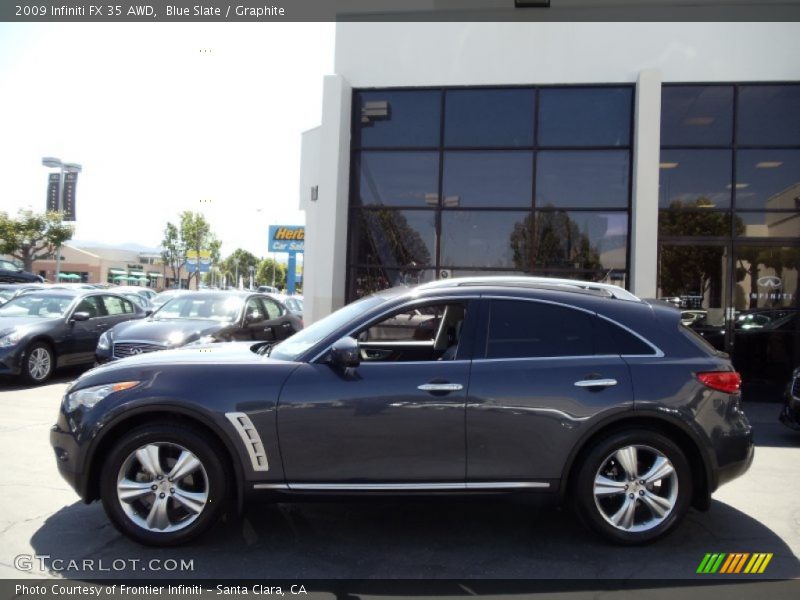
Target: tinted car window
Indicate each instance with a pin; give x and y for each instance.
(254, 311)
(519, 329)
(117, 306)
(612, 339)
(411, 325)
(272, 308)
(90, 305)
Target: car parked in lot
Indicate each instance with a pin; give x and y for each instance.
(43, 330)
(11, 273)
(477, 385)
(9, 290)
(293, 303)
(201, 317)
(790, 415)
(163, 297)
(145, 294)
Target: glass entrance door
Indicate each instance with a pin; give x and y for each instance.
(766, 316)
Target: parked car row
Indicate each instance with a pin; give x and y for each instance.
(42, 329)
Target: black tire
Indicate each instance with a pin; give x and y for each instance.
(169, 438)
(31, 371)
(591, 510)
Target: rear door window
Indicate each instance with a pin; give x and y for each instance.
(523, 329)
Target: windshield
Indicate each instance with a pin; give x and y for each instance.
(36, 305)
(301, 341)
(214, 308)
(7, 266)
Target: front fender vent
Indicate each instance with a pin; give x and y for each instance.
(252, 441)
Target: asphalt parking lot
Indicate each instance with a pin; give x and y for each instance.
(510, 537)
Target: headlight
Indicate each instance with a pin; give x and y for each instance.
(175, 338)
(104, 343)
(10, 339)
(90, 396)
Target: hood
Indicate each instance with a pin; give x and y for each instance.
(230, 352)
(9, 324)
(145, 365)
(175, 332)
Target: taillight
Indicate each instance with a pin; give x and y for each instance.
(724, 381)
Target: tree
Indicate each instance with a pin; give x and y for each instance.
(32, 236)
(238, 265)
(264, 273)
(197, 236)
(173, 251)
(193, 234)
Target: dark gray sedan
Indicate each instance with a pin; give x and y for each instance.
(470, 386)
(201, 317)
(42, 330)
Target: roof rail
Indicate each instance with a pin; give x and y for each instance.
(607, 289)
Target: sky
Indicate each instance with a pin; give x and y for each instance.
(163, 118)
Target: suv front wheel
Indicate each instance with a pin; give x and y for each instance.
(163, 484)
(633, 487)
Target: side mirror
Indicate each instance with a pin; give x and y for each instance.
(345, 353)
(148, 312)
(81, 316)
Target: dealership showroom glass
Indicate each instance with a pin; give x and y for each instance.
(677, 180)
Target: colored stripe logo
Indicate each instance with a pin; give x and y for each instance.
(734, 563)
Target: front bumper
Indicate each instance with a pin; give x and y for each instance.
(69, 458)
(11, 360)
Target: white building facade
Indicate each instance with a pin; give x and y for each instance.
(663, 157)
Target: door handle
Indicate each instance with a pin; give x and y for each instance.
(440, 387)
(596, 383)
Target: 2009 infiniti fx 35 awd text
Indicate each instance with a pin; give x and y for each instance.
(464, 386)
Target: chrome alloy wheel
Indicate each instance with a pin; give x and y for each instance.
(39, 363)
(162, 487)
(635, 488)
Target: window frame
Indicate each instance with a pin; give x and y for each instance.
(437, 266)
(481, 339)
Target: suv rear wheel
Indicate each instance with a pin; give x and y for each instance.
(163, 484)
(633, 487)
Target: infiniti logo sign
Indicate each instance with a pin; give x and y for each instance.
(771, 282)
(136, 350)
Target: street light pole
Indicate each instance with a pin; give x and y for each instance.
(63, 169)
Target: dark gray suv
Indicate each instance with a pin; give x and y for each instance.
(460, 386)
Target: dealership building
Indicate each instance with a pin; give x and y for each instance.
(661, 157)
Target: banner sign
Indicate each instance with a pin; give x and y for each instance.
(287, 238)
(70, 181)
(52, 192)
(198, 261)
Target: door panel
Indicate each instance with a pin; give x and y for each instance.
(524, 416)
(373, 424)
(537, 387)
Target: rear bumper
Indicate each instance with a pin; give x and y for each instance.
(734, 458)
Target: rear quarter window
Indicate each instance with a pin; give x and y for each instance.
(610, 338)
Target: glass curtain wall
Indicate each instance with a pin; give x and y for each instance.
(449, 182)
(729, 220)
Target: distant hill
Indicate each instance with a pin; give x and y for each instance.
(130, 246)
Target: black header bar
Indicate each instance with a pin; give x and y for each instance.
(177, 11)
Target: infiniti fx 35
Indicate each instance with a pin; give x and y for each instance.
(460, 386)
